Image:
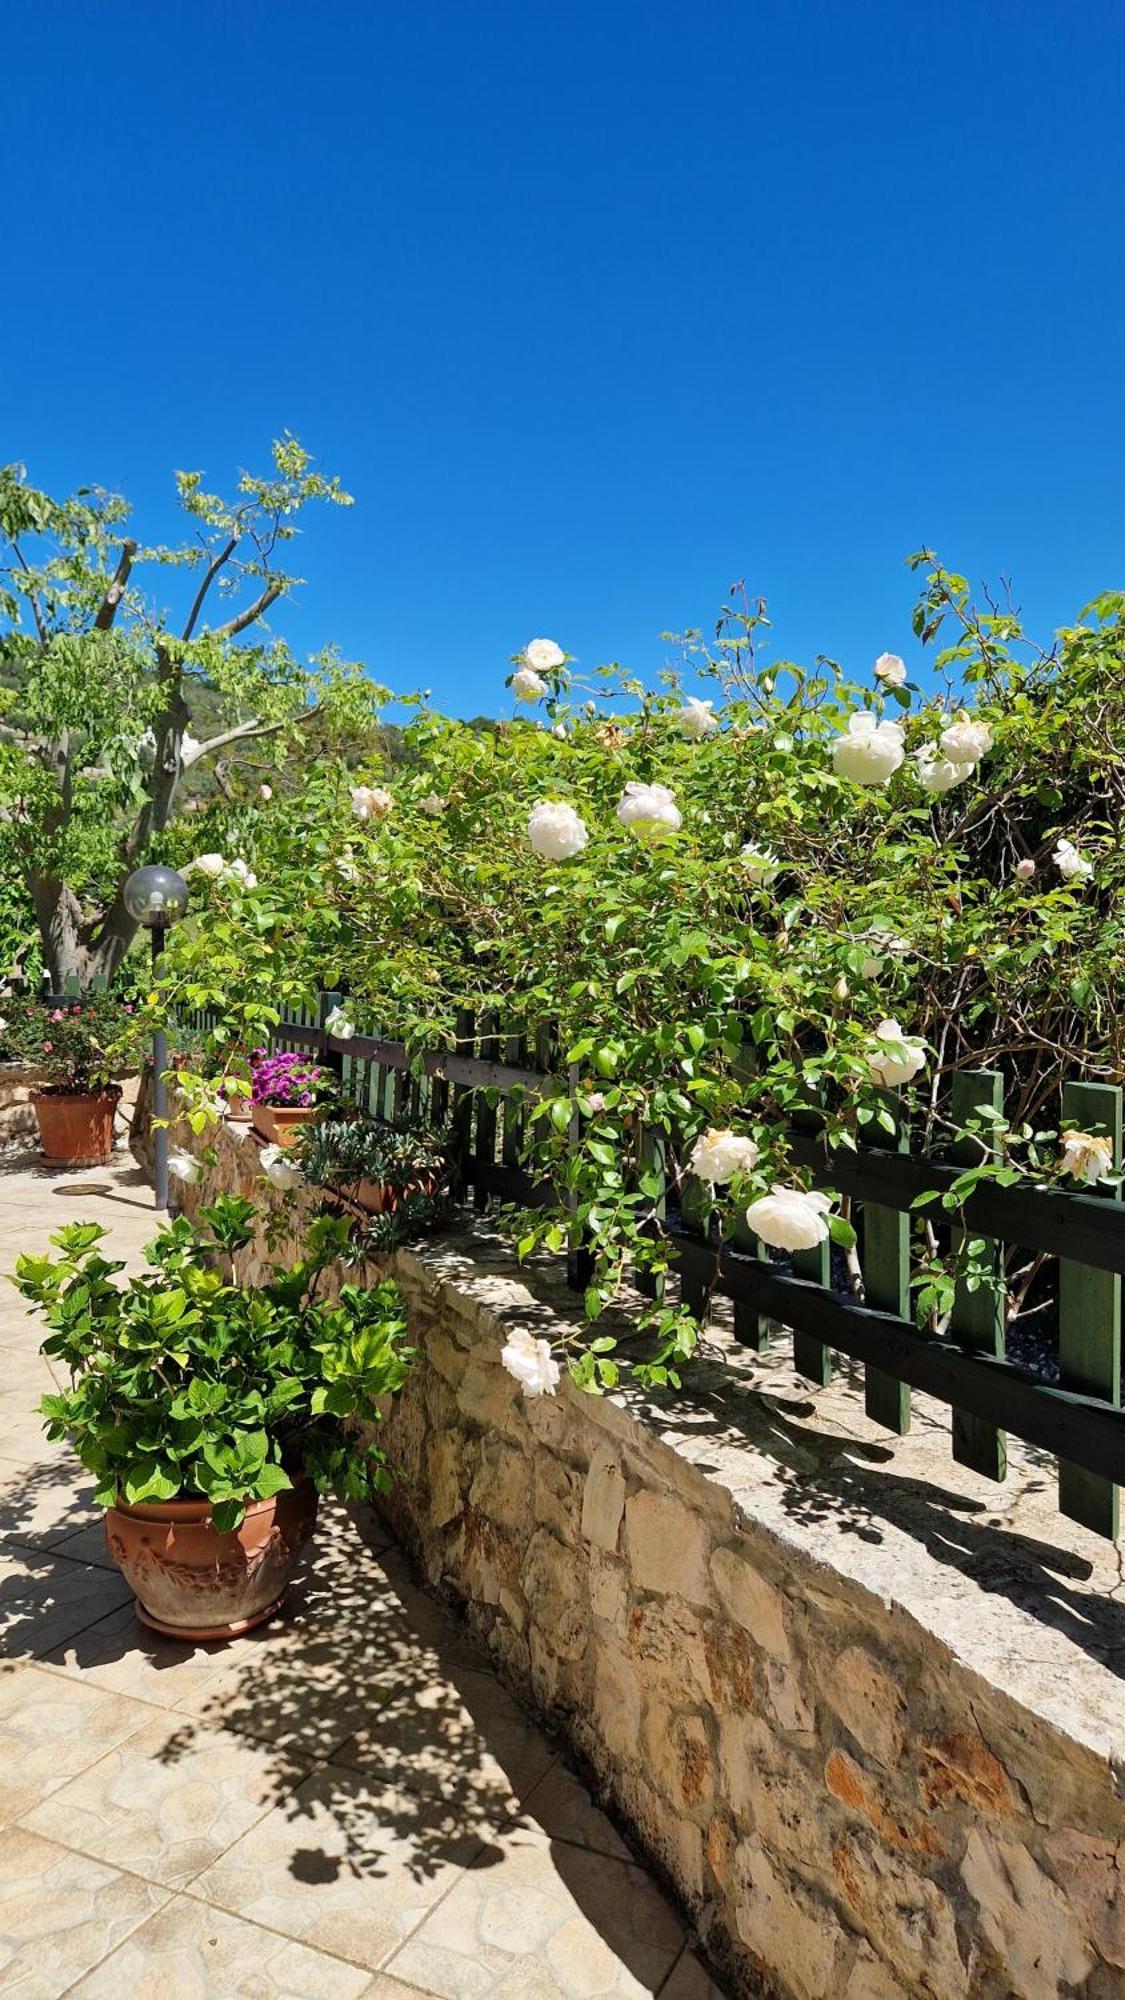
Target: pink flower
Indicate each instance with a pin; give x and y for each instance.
(57, 1015)
(47, 1047)
(1024, 870)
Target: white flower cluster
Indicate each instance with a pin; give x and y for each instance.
(1086, 1155)
(1072, 866)
(218, 869)
(869, 752)
(790, 1218)
(893, 1058)
(650, 810)
(556, 831)
(531, 1362)
(371, 801)
(719, 1157)
(337, 1023)
(279, 1169)
(696, 719)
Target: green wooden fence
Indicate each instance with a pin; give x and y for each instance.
(481, 1085)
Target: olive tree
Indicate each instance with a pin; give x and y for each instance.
(101, 681)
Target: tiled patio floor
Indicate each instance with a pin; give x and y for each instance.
(345, 1806)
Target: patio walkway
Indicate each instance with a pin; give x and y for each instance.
(345, 1806)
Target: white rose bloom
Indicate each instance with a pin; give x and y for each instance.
(696, 720)
(371, 801)
(868, 752)
(1072, 866)
(543, 654)
(184, 1166)
(559, 730)
(527, 685)
(337, 1023)
(279, 1169)
(651, 810)
(346, 866)
(886, 944)
(433, 804)
(718, 1156)
(965, 741)
(760, 863)
(894, 1058)
(212, 865)
(531, 1362)
(790, 1218)
(939, 774)
(265, 792)
(890, 670)
(556, 831)
(239, 871)
(1024, 869)
(1087, 1157)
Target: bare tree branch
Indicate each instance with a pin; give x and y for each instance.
(244, 732)
(32, 599)
(261, 604)
(213, 569)
(107, 609)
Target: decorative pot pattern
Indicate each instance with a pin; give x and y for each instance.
(76, 1129)
(195, 1583)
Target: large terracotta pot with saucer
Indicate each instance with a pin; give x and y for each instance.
(193, 1582)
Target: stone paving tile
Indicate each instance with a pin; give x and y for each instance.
(536, 1920)
(42, 1507)
(191, 1952)
(123, 1656)
(466, 1737)
(168, 1800)
(345, 1866)
(45, 1600)
(51, 1729)
(60, 1913)
(562, 1808)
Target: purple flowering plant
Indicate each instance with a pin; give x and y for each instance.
(287, 1078)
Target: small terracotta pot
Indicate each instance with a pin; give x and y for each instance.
(280, 1123)
(380, 1198)
(76, 1129)
(194, 1583)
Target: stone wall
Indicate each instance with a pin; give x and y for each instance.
(862, 1709)
(17, 1114)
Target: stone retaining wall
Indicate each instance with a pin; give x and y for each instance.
(868, 1723)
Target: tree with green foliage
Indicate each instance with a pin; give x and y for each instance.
(100, 683)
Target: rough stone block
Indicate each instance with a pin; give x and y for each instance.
(871, 1706)
(1024, 1917)
(752, 1602)
(603, 1501)
(785, 1926)
(667, 1546)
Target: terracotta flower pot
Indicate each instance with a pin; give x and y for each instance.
(76, 1129)
(193, 1582)
(279, 1124)
(382, 1198)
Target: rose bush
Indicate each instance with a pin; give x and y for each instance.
(830, 902)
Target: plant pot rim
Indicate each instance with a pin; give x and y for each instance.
(194, 1510)
(111, 1090)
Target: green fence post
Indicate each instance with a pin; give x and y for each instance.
(886, 1285)
(811, 1358)
(978, 1318)
(695, 1293)
(1090, 1321)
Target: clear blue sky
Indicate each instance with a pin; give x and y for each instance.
(594, 307)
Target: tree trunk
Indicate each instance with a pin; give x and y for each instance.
(70, 954)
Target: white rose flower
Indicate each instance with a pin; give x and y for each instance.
(894, 1058)
(1025, 869)
(890, 670)
(531, 1362)
(556, 831)
(868, 752)
(241, 872)
(371, 801)
(184, 1166)
(939, 774)
(279, 1168)
(543, 654)
(886, 944)
(1086, 1156)
(760, 864)
(965, 741)
(651, 811)
(718, 1156)
(527, 685)
(265, 792)
(559, 730)
(212, 865)
(1072, 866)
(346, 866)
(696, 720)
(790, 1218)
(433, 803)
(337, 1023)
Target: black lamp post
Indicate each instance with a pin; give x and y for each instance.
(156, 897)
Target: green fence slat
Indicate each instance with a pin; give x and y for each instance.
(461, 1119)
(751, 1328)
(811, 1358)
(886, 1284)
(511, 1145)
(654, 1159)
(1090, 1320)
(486, 1118)
(978, 1318)
(695, 1293)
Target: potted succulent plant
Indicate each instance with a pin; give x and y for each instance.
(378, 1166)
(211, 1414)
(77, 1049)
(285, 1092)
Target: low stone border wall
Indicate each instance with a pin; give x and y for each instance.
(870, 1726)
(17, 1115)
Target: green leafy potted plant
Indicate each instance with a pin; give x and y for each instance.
(211, 1414)
(77, 1048)
(285, 1091)
(377, 1166)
